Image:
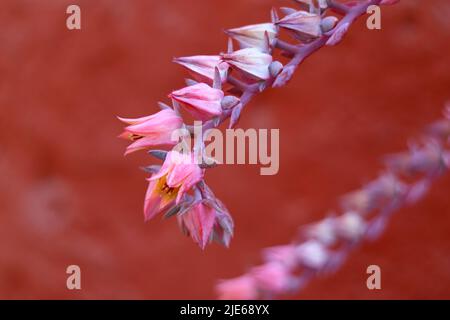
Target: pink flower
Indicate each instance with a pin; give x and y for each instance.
(254, 36)
(198, 222)
(303, 25)
(178, 175)
(272, 277)
(204, 67)
(200, 100)
(251, 61)
(242, 288)
(152, 130)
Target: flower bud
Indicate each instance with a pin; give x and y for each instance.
(303, 25)
(254, 36)
(328, 23)
(251, 62)
(200, 100)
(203, 68)
(275, 68)
(312, 254)
(350, 226)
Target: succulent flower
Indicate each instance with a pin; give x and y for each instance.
(203, 68)
(152, 130)
(303, 25)
(251, 62)
(200, 100)
(260, 36)
(178, 174)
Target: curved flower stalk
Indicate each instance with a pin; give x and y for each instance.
(224, 84)
(320, 248)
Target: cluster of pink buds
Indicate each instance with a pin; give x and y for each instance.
(321, 247)
(222, 85)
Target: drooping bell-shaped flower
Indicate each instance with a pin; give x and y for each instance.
(198, 222)
(260, 36)
(303, 25)
(203, 68)
(152, 130)
(251, 62)
(178, 174)
(200, 100)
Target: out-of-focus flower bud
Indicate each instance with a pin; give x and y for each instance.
(303, 25)
(428, 160)
(350, 226)
(272, 277)
(312, 254)
(200, 100)
(242, 288)
(251, 62)
(285, 255)
(376, 194)
(260, 36)
(323, 231)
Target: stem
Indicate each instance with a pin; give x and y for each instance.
(338, 7)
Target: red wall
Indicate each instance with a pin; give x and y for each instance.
(67, 195)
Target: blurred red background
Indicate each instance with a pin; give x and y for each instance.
(68, 196)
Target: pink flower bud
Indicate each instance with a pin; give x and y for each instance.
(303, 25)
(250, 61)
(203, 67)
(200, 100)
(242, 288)
(198, 222)
(178, 175)
(152, 130)
(254, 36)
